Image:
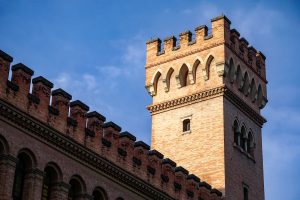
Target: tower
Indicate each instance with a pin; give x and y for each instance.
(207, 93)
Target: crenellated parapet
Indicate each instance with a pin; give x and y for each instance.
(188, 42)
(171, 48)
(74, 122)
(177, 67)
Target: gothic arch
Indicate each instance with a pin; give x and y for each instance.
(196, 66)
(259, 95)
(168, 79)
(239, 77)
(183, 75)
(250, 142)
(154, 81)
(236, 131)
(252, 90)
(243, 137)
(207, 69)
(245, 84)
(231, 71)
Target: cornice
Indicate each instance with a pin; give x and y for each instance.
(183, 54)
(71, 147)
(193, 98)
(205, 95)
(244, 107)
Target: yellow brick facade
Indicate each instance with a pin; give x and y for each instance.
(225, 82)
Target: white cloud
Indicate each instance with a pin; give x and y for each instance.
(76, 82)
(90, 81)
(135, 53)
(130, 61)
(63, 80)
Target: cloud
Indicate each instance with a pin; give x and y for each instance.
(62, 81)
(129, 62)
(90, 81)
(134, 54)
(76, 82)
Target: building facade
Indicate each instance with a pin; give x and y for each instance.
(207, 93)
(52, 148)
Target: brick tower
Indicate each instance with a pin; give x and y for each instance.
(207, 92)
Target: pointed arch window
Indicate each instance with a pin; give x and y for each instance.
(243, 138)
(231, 71)
(183, 75)
(250, 144)
(236, 133)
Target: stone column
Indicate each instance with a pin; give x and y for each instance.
(7, 173)
(33, 184)
(60, 191)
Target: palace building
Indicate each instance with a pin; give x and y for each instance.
(208, 89)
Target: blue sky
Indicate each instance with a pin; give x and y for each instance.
(96, 51)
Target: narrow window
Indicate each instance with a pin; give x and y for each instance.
(19, 180)
(46, 187)
(243, 138)
(246, 193)
(236, 133)
(186, 125)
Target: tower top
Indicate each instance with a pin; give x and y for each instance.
(220, 44)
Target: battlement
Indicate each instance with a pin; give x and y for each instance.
(203, 39)
(204, 60)
(73, 120)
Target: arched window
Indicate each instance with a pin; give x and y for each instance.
(99, 194)
(243, 138)
(168, 79)
(52, 174)
(76, 188)
(239, 77)
(24, 164)
(236, 132)
(195, 69)
(155, 81)
(183, 75)
(259, 95)
(208, 67)
(252, 90)
(250, 144)
(245, 83)
(19, 180)
(231, 71)
(186, 125)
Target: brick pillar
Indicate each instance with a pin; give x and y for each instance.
(7, 173)
(33, 184)
(60, 191)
